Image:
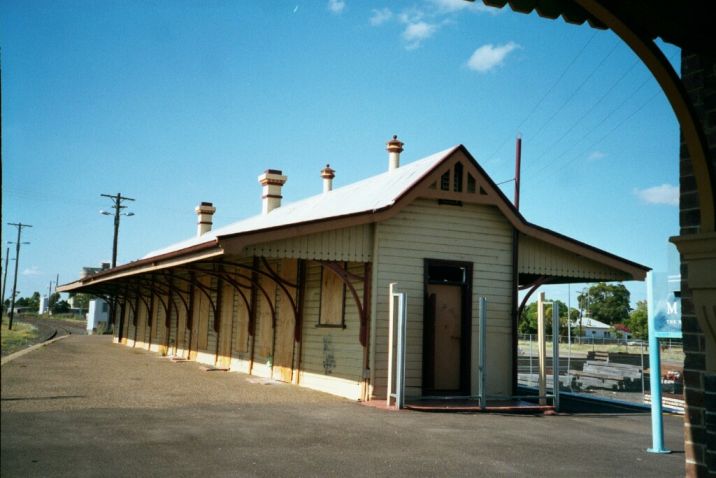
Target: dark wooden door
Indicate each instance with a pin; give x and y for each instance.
(447, 336)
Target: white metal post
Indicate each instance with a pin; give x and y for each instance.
(542, 349)
(391, 319)
(400, 364)
(555, 354)
(482, 369)
(396, 356)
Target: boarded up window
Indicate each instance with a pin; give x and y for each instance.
(333, 294)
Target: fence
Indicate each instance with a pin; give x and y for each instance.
(606, 367)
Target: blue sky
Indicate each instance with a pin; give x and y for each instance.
(176, 102)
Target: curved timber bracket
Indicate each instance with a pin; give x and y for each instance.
(532, 288)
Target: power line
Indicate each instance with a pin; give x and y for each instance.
(586, 112)
(593, 129)
(573, 94)
(617, 126)
(547, 93)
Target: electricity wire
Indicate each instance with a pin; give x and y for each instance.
(547, 93)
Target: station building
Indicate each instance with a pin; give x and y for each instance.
(299, 292)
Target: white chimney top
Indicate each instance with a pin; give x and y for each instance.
(328, 174)
(272, 181)
(204, 212)
(394, 148)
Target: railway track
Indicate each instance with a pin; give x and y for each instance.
(48, 329)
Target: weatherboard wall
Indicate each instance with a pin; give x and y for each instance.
(332, 356)
(353, 244)
(540, 258)
(479, 234)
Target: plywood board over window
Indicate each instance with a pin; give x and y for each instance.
(285, 323)
(333, 299)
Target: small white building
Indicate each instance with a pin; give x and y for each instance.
(44, 305)
(98, 313)
(593, 329)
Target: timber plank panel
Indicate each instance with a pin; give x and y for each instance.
(226, 324)
(283, 342)
(263, 346)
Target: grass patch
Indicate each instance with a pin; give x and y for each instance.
(75, 317)
(19, 337)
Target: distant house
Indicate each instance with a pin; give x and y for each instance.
(594, 329)
(300, 292)
(622, 331)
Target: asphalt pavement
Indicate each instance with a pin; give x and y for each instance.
(83, 406)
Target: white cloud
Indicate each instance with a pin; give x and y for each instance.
(381, 16)
(336, 6)
(425, 18)
(664, 194)
(416, 33)
(489, 56)
(596, 156)
(32, 271)
(411, 15)
(449, 6)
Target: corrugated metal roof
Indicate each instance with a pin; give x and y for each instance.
(368, 195)
(591, 323)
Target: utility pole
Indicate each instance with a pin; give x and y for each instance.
(4, 279)
(49, 294)
(518, 169)
(118, 198)
(117, 206)
(19, 227)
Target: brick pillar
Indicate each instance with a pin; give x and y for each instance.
(698, 73)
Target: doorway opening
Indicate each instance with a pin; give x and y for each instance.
(447, 325)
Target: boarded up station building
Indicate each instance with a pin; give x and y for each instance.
(299, 293)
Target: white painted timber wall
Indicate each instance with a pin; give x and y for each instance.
(538, 257)
(471, 233)
(348, 244)
(332, 357)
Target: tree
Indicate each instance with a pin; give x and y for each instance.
(54, 298)
(34, 301)
(60, 307)
(528, 320)
(638, 320)
(608, 303)
(81, 301)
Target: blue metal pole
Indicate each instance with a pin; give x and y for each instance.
(657, 422)
(555, 355)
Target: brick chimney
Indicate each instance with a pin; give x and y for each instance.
(394, 148)
(204, 212)
(328, 174)
(272, 181)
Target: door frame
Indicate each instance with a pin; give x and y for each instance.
(465, 326)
